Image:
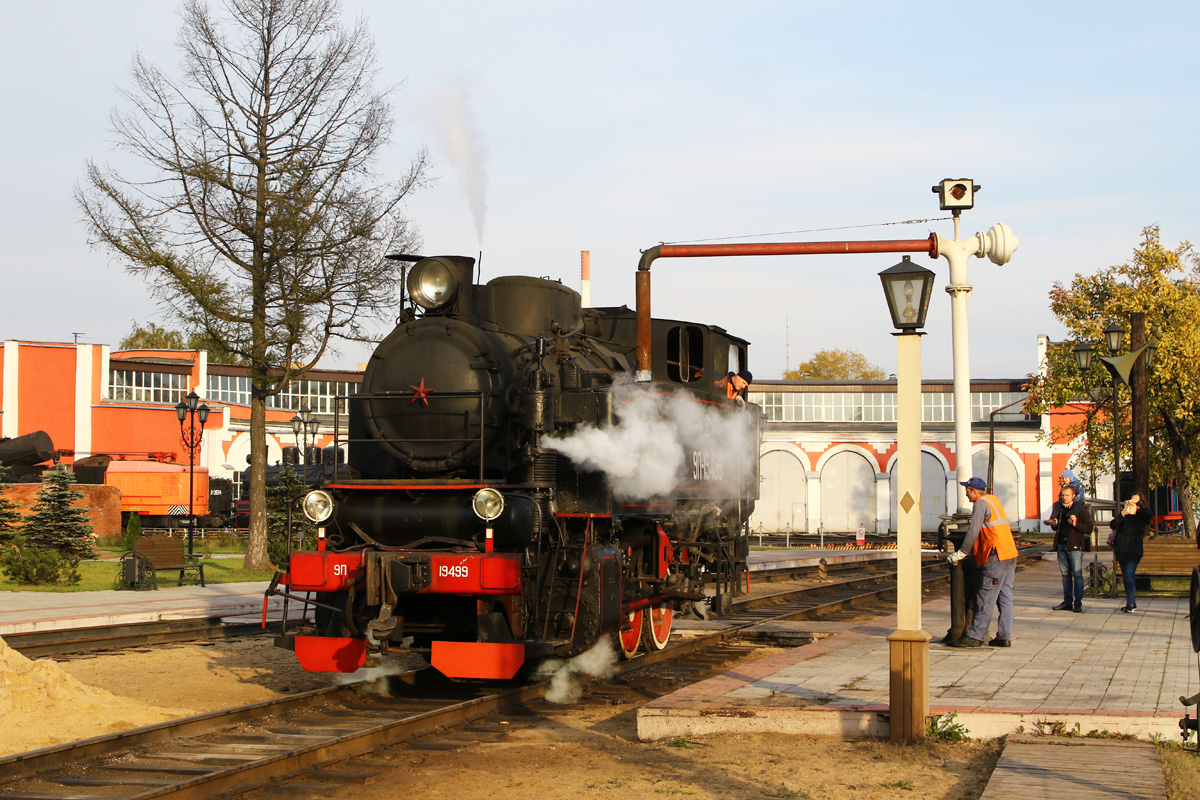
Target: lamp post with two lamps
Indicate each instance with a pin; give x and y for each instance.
(191, 437)
(304, 424)
(907, 288)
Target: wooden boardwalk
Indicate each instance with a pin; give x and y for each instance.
(1052, 768)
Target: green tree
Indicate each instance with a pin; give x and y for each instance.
(34, 566)
(55, 523)
(154, 337)
(10, 518)
(1165, 284)
(288, 490)
(836, 365)
(260, 223)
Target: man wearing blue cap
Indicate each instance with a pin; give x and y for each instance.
(990, 540)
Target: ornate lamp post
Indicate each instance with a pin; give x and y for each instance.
(1120, 367)
(304, 424)
(907, 288)
(191, 437)
(1083, 353)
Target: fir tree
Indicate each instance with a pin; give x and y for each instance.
(10, 520)
(55, 523)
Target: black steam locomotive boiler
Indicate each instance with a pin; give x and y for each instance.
(503, 497)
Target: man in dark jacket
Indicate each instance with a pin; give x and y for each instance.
(1072, 523)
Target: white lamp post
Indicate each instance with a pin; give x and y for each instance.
(998, 244)
(908, 288)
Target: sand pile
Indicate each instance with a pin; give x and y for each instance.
(41, 705)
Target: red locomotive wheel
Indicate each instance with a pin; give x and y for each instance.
(658, 625)
(631, 639)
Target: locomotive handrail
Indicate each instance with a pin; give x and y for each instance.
(412, 396)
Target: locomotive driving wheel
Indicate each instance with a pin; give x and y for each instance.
(631, 639)
(658, 625)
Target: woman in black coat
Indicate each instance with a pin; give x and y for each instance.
(1130, 527)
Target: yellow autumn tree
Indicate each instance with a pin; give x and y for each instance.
(836, 365)
(1165, 285)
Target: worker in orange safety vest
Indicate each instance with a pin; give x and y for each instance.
(990, 540)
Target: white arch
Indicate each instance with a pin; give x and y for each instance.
(870, 455)
(925, 448)
(782, 504)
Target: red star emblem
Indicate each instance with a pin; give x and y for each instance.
(419, 393)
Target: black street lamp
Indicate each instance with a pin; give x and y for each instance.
(1083, 352)
(304, 424)
(191, 437)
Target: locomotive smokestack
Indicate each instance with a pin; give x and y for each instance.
(585, 270)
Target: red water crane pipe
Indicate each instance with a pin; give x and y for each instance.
(929, 246)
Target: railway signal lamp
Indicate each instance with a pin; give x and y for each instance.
(956, 194)
(907, 287)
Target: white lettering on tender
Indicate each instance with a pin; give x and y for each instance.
(341, 569)
(452, 571)
(707, 466)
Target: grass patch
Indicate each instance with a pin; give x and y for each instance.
(100, 575)
(1181, 772)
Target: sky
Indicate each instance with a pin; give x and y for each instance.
(557, 127)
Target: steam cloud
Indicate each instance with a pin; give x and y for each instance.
(566, 685)
(658, 441)
(457, 132)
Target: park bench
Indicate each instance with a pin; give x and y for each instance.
(152, 554)
(1168, 557)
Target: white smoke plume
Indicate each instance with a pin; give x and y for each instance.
(456, 129)
(566, 685)
(661, 441)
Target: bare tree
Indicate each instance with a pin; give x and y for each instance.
(261, 223)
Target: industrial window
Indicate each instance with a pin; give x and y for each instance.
(135, 386)
(685, 354)
(319, 396)
(879, 406)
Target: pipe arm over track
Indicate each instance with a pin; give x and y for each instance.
(929, 246)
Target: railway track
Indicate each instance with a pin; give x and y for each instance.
(79, 641)
(318, 739)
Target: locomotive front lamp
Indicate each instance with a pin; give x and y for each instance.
(907, 287)
(318, 505)
(488, 504)
(432, 284)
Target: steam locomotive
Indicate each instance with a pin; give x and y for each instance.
(512, 492)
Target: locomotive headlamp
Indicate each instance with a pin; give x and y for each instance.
(318, 505)
(432, 284)
(488, 504)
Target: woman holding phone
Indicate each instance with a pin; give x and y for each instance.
(1129, 528)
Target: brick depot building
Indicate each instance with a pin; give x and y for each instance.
(828, 456)
(827, 459)
(93, 401)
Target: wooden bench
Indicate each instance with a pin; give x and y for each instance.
(1168, 557)
(165, 553)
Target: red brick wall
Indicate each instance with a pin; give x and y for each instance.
(102, 504)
